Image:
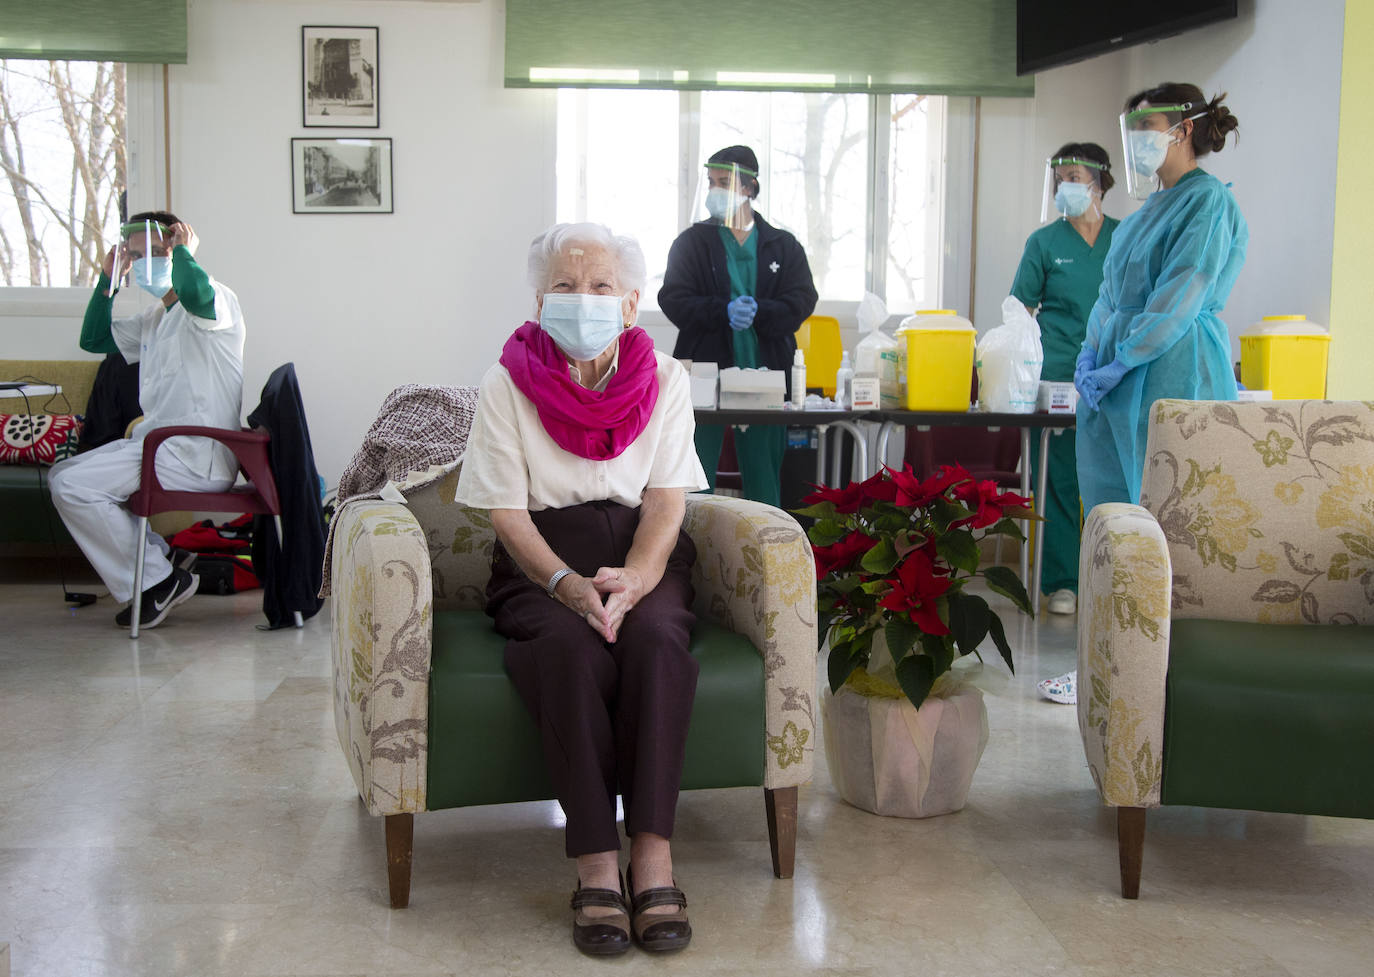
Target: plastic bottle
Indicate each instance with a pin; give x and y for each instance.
(844, 383)
(876, 356)
(798, 378)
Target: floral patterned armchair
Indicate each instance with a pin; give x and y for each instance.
(1225, 647)
(428, 720)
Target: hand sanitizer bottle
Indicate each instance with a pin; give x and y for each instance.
(844, 383)
(798, 379)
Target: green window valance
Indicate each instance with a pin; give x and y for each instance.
(935, 47)
(94, 30)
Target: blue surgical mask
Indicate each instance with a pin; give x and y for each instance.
(1073, 199)
(153, 275)
(722, 203)
(1148, 149)
(583, 326)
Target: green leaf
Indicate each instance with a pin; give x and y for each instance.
(1004, 581)
(958, 548)
(945, 512)
(939, 648)
(823, 619)
(968, 619)
(843, 585)
(839, 666)
(880, 559)
(1006, 527)
(999, 638)
(821, 510)
(902, 635)
(916, 674)
(826, 532)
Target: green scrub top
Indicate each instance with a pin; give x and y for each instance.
(742, 264)
(1061, 275)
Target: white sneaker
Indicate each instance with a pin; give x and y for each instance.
(1063, 689)
(1063, 602)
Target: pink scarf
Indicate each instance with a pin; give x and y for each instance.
(591, 424)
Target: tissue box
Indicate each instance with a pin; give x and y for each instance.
(1056, 397)
(752, 389)
(1253, 395)
(704, 377)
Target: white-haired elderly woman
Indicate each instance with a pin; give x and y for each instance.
(582, 449)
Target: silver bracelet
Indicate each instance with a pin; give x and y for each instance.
(557, 576)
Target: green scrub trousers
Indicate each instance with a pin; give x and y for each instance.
(1061, 275)
(759, 447)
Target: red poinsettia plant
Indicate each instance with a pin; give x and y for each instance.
(893, 554)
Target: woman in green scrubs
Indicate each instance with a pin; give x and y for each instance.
(1059, 275)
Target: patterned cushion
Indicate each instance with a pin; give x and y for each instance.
(1266, 508)
(38, 439)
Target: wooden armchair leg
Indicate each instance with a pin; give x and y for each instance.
(781, 803)
(1130, 843)
(400, 835)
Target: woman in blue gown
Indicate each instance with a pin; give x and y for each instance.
(1154, 331)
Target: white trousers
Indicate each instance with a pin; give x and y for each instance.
(90, 491)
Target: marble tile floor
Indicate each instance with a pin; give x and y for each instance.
(179, 806)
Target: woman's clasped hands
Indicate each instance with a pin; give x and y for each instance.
(603, 600)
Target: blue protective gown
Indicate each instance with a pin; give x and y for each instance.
(1168, 274)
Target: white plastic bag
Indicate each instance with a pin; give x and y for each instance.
(1009, 358)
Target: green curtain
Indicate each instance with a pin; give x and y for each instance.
(94, 30)
(935, 47)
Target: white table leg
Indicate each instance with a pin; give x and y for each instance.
(1028, 527)
(1041, 487)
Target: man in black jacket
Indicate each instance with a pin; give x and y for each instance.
(738, 289)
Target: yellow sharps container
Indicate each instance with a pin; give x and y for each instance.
(935, 360)
(1285, 354)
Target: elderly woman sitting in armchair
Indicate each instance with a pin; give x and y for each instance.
(582, 449)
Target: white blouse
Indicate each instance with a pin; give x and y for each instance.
(511, 462)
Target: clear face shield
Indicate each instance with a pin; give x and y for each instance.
(1146, 135)
(145, 252)
(1073, 188)
(723, 196)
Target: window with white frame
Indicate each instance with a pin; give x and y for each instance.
(62, 169)
(857, 178)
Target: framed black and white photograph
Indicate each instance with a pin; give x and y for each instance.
(341, 176)
(339, 77)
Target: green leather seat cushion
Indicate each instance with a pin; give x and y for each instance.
(1270, 718)
(25, 512)
(484, 746)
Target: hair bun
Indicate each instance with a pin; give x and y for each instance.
(1222, 123)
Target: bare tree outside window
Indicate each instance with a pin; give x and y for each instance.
(62, 169)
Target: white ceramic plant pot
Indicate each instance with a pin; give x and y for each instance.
(890, 758)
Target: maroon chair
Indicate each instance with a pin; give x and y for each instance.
(258, 496)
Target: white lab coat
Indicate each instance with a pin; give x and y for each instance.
(190, 372)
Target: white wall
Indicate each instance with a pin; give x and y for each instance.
(1281, 63)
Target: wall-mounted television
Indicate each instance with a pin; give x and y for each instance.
(1056, 32)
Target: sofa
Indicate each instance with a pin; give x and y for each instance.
(1226, 624)
(427, 718)
(25, 509)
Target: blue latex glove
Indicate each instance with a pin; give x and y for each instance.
(1096, 384)
(741, 312)
(1086, 362)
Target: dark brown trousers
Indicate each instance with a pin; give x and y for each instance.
(609, 715)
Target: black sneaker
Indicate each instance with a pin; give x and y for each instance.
(182, 559)
(159, 600)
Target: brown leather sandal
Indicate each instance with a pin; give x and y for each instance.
(656, 932)
(600, 935)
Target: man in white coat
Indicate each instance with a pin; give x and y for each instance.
(189, 348)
